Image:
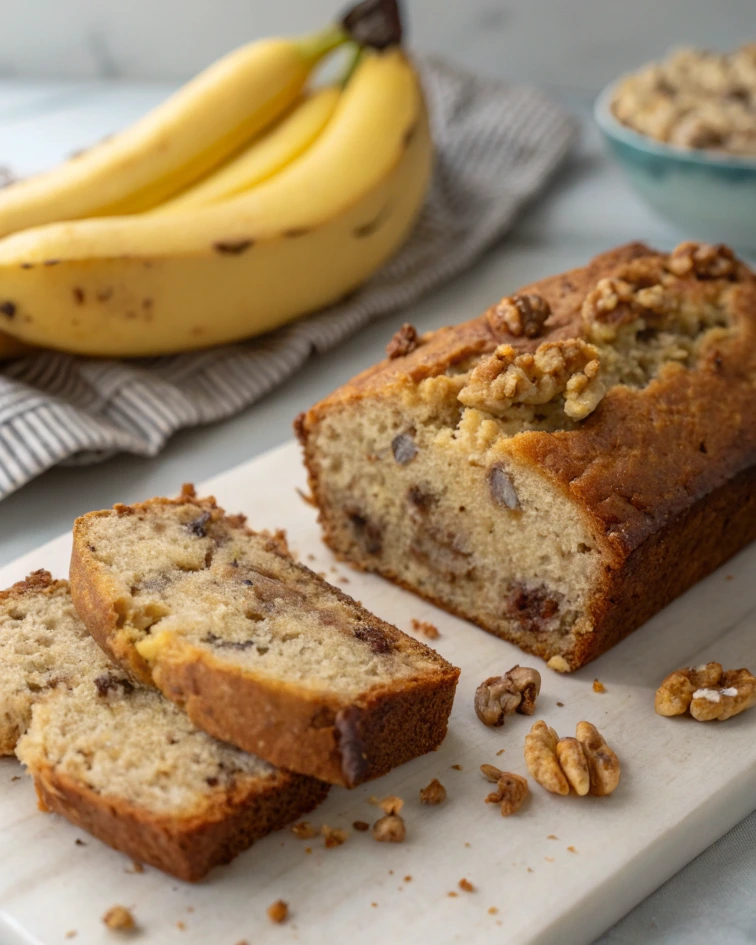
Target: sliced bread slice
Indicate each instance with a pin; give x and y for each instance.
(119, 760)
(258, 649)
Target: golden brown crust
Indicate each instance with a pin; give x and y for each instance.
(315, 734)
(654, 471)
(185, 847)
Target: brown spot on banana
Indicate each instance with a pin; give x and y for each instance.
(51, 262)
(296, 231)
(233, 248)
(8, 308)
(104, 294)
(27, 265)
(409, 134)
(367, 229)
(78, 295)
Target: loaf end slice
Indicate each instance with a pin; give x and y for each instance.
(257, 649)
(119, 760)
(560, 468)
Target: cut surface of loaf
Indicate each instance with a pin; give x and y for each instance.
(259, 650)
(119, 760)
(560, 468)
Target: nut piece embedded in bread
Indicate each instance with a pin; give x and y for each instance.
(119, 760)
(544, 469)
(257, 649)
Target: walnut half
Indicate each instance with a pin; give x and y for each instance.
(519, 315)
(500, 696)
(584, 763)
(707, 692)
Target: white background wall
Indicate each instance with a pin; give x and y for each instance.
(578, 44)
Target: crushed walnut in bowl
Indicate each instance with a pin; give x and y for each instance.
(684, 132)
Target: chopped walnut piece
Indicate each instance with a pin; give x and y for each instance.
(466, 886)
(303, 830)
(119, 919)
(427, 629)
(391, 804)
(511, 789)
(703, 260)
(390, 829)
(675, 694)
(278, 911)
(334, 836)
(433, 793)
(541, 759)
(598, 686)
(500, 696)
(361, 825)
(403, 342)
(568, 369)
(519, 315)
(603, 764)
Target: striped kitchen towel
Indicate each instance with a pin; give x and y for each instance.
(496, 146)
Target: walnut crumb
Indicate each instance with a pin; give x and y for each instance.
(119, 919)
(708, 692)
(71, 933)
(304, 830)
(598, 686)
(408, 879)
(308, 849)
(466, 886)
(180, 926)
(552, 836)
(361, 825)
(511, 789)
(560, 704)
(433, 793)
(571, 849)
(427, 629)
(403, 342)
(334, 836)
(136, 867)
(390, 829)
(492, 910)
(452, 894)
(500, 696)
(500, 752)
(391, 804)
(278, 911)
(457, 767)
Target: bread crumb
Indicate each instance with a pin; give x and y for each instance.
(303, 830)
(334, 836)
(467, 843)
(457, 767)
(374, 905)
(572, 849)
(530, 870)
(549, 859)
(500, 751)
(598, 686)
(79, 842)
(344, 579)
(466, 886)
(375, 801)
(190, 908)
(136, 867)
(729, 577)
(180, 926)
(308, 849)
(305, 498)
(492, 910)
(278, 911)
(433, 793)
(408, 879)
(119, 919)
(310, 557)
(391, 872)
(552, 836)
(427, 629)
(391, 804)
(71, 933)
(452, 894)
(16, 777)
(361, 825)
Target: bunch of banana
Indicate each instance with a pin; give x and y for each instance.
(243, 202)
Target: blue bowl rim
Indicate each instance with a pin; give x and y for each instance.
(613, 128)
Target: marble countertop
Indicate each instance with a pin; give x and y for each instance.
(587, 209)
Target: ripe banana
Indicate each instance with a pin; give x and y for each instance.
(196, 129)
(157, 284)
(265, 156)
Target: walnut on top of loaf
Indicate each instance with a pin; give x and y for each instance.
(651, 312)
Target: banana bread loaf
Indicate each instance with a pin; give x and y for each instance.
(560, 468)
(256, 648)
(119, 760)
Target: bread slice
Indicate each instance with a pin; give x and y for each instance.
(259, 650)
(561, 467)
(121, 761)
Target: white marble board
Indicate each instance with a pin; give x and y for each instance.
(684, 785)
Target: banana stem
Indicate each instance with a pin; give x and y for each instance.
(316, 45)
(353, 60)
